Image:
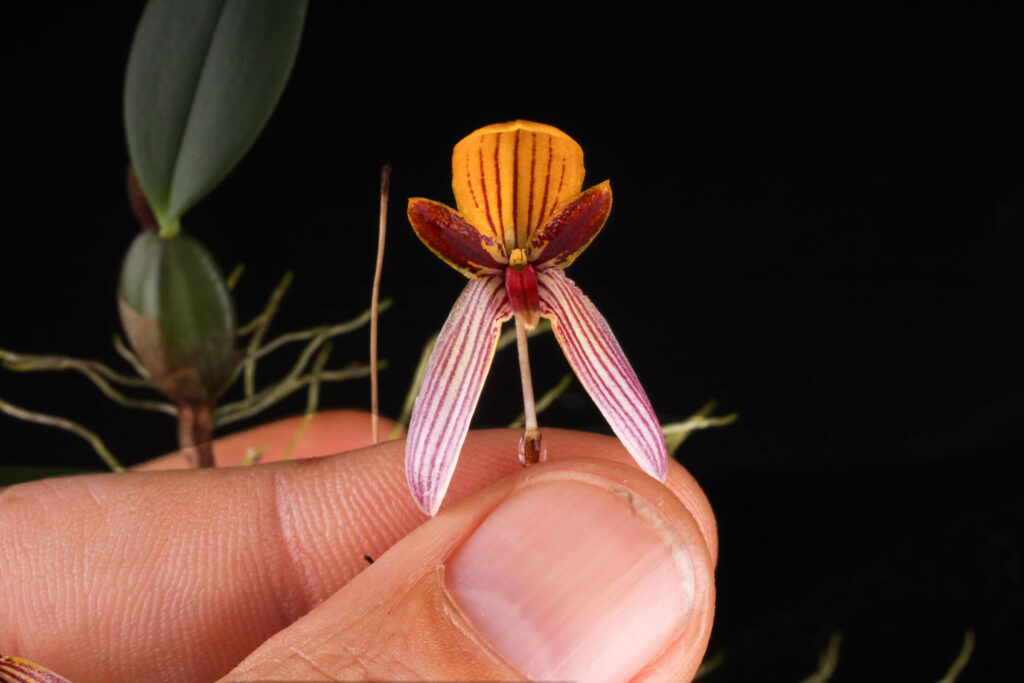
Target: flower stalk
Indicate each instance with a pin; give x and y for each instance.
(530, 450)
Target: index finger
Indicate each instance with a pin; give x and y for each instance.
(179, 575)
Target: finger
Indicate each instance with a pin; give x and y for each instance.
(577, 569)
(177, 575)
(327, 432)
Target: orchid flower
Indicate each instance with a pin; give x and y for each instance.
(521, 219)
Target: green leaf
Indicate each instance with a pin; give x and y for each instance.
(178, 316)
(203, 78)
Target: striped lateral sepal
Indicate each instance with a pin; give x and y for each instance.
(602, 368)
(451, 388)
(17, 670)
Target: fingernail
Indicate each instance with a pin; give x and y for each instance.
(575, 578)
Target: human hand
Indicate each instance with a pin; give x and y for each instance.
(580, 568)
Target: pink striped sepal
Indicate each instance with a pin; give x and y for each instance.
(17, 670)
(602, 368)
(451, 388)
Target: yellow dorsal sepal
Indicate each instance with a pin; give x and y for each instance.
(509, 178)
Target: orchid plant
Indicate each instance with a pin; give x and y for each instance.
(202, 81)
(521, 220)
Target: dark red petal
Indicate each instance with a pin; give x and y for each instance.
(455, 241)
(521, 286)
(561, 239)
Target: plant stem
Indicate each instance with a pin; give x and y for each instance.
(170, 230)
(195, 433)
(530, 452)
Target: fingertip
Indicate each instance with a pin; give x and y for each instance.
(595, 556)
(490, 455)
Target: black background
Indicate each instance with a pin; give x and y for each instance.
(818, 222)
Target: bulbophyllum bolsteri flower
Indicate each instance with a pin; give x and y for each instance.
(521, 219)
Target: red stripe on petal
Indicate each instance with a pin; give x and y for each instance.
(515, 189)
(451, 388)
(18, 670)
(603, 370)
(568, 233)
(581, 349)
(460, 244)
(533, 184)
(558, 191)
(483, 191)
(547, 182)
(469, 184)
(498, 174)
(495, 162)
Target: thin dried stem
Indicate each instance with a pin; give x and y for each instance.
(61, 423)
(547, 399)
(530, 452)
(262, 322)
(385, 186)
